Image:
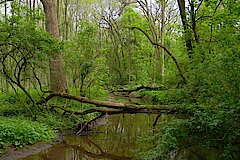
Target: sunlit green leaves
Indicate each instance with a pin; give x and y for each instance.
(20, 132)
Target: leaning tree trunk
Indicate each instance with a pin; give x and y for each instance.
(58, 82)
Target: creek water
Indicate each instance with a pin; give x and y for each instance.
(115, 139)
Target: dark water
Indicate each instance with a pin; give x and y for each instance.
(115, 139)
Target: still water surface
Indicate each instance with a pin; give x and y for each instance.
(115, 139)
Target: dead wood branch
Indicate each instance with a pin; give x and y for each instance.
(129, 110)
(140, 88)
(84, 126)
(111, 107)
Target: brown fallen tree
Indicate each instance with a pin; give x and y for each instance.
(130, 110)
(129, 91)
(110, 108)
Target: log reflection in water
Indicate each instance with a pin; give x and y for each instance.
(99, 155)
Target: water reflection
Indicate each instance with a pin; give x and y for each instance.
(114, 140)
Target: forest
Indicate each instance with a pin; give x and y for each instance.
(66, 63)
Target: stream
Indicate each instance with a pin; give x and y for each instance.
(114, 139)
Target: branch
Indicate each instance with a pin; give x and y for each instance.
(108, 104)
(129, 110)
(215, 10)
(198, 6)
(168, 52)
(5, 1)
(139, 88)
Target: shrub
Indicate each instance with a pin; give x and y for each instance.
(19, 132)
(208, 133)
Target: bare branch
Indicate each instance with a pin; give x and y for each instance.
(5, 1)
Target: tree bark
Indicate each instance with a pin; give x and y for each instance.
(193, 21)
(127, 110)
(111, 107)
(162, 35)
(187, 35)
(58, 82)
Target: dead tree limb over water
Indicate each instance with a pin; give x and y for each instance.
(129, 91)
(110, 108)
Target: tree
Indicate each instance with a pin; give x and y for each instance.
(181, 5)
(58, 81)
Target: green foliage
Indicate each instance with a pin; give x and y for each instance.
(215, 71)
(10, 111)
(98, 57)
(132, 18)
(20, 106)
(216, 130)
(170, 96)
(57, 121)
(24, 48)
(21, 32)
(17, 127)
(17, 103)
(212, 133)
(86, 66)
(19, 132)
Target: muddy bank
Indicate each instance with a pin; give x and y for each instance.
(18, 153)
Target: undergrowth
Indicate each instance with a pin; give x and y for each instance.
(206, 135)
(19, 131)
(22, 123)
(170, 96)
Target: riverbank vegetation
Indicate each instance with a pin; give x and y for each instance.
(62, 61)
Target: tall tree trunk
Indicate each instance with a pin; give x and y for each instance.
(58, 81)
(66, 20)
(162, 33)
(187, 34)
(129, 57)
(193, 20)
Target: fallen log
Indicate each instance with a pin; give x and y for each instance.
(121, 110)
(140, 88)
(107, 104)
(82, 99)
(109, 111)
(111, 108)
